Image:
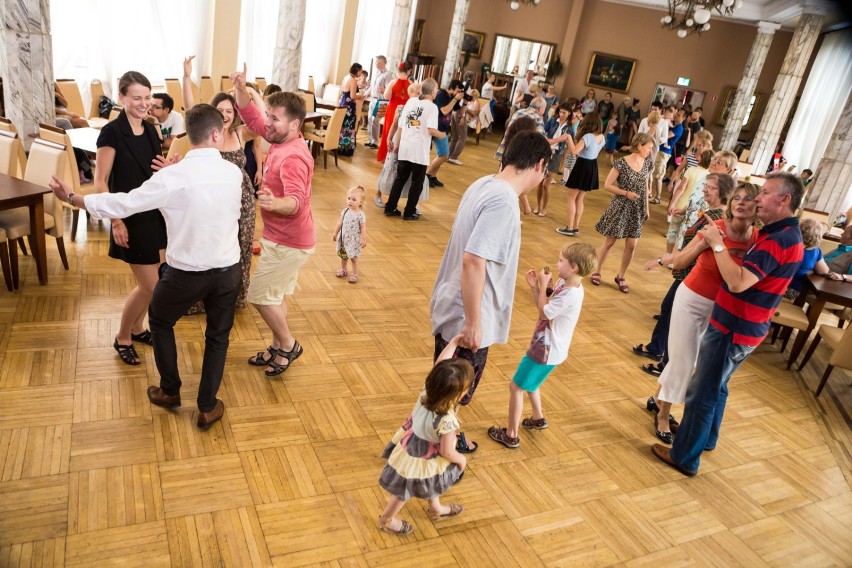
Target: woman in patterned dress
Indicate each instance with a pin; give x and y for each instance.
(349, 98)
(236, 135)
(628, 181)
(397, 95)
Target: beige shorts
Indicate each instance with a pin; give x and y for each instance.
(660, 163)
(276, 273)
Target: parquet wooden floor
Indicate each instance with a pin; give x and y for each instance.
(92, 475)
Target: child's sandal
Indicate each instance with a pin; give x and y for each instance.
(353, 279)
(404, 528)
(455, 511)
(499, 435)
(341, 273)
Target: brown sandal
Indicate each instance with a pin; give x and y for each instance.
(620, 282)
(404, 529)
(259, 361)
(596, 278)
(455, 511)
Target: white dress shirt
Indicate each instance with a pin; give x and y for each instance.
(199, 198)
(380, 83)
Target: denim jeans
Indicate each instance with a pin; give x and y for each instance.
(660, 336)
(706, 396)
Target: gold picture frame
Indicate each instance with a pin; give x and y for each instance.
(725, 108)
(473, 42)
(610, 72)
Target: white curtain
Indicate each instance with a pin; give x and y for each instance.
(372, 31)
(321, 46)
(100, 39)
(823, 97)
(258, 29)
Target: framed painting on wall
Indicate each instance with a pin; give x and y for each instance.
(725, 108)
(417, 36)
(473, 42)
(611, 72)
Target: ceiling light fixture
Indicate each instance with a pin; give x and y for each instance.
(693, 16)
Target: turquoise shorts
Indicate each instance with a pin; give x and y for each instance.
(530, 374)
(442, 146)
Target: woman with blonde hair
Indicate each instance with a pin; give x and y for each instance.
(723, 162)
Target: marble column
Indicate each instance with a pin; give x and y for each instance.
(786, 86)
(455, 44)
(399, 32)
(287, 61)
(745, 90)
(26, 65)
(831, 189)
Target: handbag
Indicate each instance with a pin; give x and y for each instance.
(539, 349)
(105, 106)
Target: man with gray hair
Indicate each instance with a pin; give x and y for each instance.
(377, 92)
(535, 111)
(418, 123)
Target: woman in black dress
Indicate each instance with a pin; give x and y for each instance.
(127, 147)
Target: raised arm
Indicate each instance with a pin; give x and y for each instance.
(241, 92)
(186, 84)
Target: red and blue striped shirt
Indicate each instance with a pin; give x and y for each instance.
(774, 259)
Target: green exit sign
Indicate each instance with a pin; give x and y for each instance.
(683, 81)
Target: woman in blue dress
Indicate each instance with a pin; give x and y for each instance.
(349, 98)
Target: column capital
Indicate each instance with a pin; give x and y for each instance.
(814, 8)
(767, 27)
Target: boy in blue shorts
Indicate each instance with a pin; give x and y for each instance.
(557, 319)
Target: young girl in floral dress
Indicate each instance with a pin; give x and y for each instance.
(351, 233)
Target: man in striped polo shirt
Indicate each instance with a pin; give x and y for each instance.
(740, 319)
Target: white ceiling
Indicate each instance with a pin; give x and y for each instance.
(784, 12)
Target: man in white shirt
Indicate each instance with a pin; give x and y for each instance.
(418, 123)
(199, 198)
(523, 87)
(377, 90)
(171, 123)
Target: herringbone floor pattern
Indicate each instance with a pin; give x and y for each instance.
(92, 475)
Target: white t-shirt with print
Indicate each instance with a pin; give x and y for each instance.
(563, 311)
(418, 116)
(173, 125)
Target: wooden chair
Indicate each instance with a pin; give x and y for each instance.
(478, 130)
(791, 317)
(46, 160)
(226, 84)
(309, 101)
(821, 216)
(329, 138)
(4, 262)
(840, 342)
(261, 83)
(311, 86)
(19, 161)
(180, 146)
(331, 93)
(113, 114)
(173, 88)
(71, 174)
(94, 119)
(71, 92)
(8, 151)
(206, 90)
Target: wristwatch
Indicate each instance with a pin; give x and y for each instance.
(660, 261)
(719, 248)
(70, 198)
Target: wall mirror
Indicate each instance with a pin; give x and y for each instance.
(514, 55)
(677, 95)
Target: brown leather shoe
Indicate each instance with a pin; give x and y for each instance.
(662, 454)
(160, 398)
(208, 419)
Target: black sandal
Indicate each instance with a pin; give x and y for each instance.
(652, 369)
(642, 351)
(126, 352)
(144, 337)
(465, 447)
(289, 356)
(259, 361)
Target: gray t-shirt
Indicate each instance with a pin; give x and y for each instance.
(488, 225)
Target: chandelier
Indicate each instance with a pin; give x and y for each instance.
(693, 16)
(515, 4)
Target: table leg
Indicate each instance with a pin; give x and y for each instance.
(814, 311)
(37, 243)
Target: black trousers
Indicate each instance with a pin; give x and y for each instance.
(404, 170)
(174, 294)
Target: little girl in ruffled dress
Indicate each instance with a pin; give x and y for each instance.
(351, 233)
(422, 457)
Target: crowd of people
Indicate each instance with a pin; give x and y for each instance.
(735, 249)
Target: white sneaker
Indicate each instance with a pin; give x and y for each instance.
(378, 201)
(454, 161)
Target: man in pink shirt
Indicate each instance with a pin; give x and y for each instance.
(288, 225)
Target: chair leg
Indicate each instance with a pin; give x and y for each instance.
(60, 244)
(824, 380)
(22, 245)
(75, 219)
(335, 158)
(13, 264)
(7, 268)
(775, 329)
(810, 352)
(787, 338)
(325, 159)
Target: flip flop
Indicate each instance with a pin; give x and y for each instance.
(465, 447)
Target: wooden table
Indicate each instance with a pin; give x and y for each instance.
(823, 290)
(85, 139)
(315, 117)
(16, 193)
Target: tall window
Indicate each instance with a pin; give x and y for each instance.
(372, 31)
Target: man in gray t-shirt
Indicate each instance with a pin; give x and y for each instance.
(475, 287)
